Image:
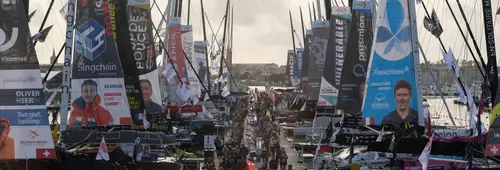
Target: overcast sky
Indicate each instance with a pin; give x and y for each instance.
(262, 27)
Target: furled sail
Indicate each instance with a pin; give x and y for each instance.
(337, 44)
(23, 115)
(290, 57)
(392, 93)
(304, 77)
(317, 52)
(143, 46)
(353, 80)
(97, 86)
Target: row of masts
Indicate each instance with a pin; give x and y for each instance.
(174, 9)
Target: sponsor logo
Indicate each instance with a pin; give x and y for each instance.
(90, 39)
(380, 102)
(6, 45)
(340, 10)
(29, 79)
(390, 72)
(98, 7)
(33, 134)
(32, 141)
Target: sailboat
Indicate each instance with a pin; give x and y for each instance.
(26, 136)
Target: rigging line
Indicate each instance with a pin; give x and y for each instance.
(170, 59)
(444, 49)
(438, 85)
(342, 2)
(45, 19)
(468, 30)
(336, 3)
(218, 29)
(298, 39)
(472, 37)
(62, 47)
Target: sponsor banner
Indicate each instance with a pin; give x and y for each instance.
(353, 79)
(200, 65)
(26, 117)
(363, 6)
(141, 3)
(289, 66)
(392, 77)
(188, 47)
(141, 33)
(437, 164)
(304, 77)
(129, 56)
(337, 44)
(317, 53)
(98, 89)
(101, 102)
(297, 67)
(25, 130)
(177, 59)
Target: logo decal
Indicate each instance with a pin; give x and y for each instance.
(33, 134)
(4, 46)
(380, 102)
(90, 39)
(394, 33)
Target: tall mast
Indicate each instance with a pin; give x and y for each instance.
(230, 63)
(303, 26)
(189, 11)
(70, 18)
(170, 13)
(44, 18)
(205, 44)
(310, 15)
(179, 8)
(319, 9)
(293, 45)
(328, 9)
(223, 46)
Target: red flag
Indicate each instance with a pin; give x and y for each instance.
(45, 153)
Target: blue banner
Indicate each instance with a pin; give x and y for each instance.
(391, 95)
(297, 67)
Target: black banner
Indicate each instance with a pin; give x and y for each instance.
(317, 53)
(126, 53)
(15, 50)
(290, 57)
(304, 77)
(357, 57)
(337, 44)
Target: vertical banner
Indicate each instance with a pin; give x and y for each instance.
(337, 44)
(177, 59)
(304, 78)
(188, 47)
(289, 67)
(317, 52)
(200, 65)
(25, 132)
(297, 67)
(353, 80)
(391, 94)
(97, 86)
(141, 37)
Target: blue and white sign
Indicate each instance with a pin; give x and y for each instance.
(90, 39)
(391, 95)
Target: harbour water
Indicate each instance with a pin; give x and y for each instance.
(459, 113)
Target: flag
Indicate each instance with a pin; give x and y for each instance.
(145, 121)
(368, 121)
(318, 147)
(380, 135)
(64, 11)
(207, 97)
(393, 140)
(432, 24)
(45, 153)
(103, 151)
(451, 62)
(460, 91)
(51, 98)
(424, 157)
(168, 72)
(472, 108)
(40, 36)
(31, 15)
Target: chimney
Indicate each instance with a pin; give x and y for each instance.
(53, 58)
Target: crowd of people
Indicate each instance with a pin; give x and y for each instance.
(234, 153)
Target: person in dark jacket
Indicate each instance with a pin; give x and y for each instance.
(218, 146)
(273, 164)
(243, 151)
